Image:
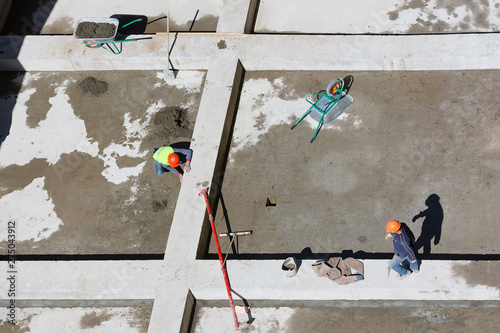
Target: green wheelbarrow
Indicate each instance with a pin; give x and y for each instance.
(329, 105)
(103, 32)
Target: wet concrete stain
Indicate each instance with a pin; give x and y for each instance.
(140, 317)
(388, 319)
(15, 178)
(405, 145)
(159, 205)
(222, 44)
(63, 25)
(170, 124)
(203, 185)
(99, 216)
(476, 273)
(128, 162)
(93, 86)
(427, 22)
(92, 319)
(38, 104)
(22, 325)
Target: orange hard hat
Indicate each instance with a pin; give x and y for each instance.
(393, 226)
(173, 160)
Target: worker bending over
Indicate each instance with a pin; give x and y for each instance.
(167, 157)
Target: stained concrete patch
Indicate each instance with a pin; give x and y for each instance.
(36, 222)
(80, 319)
(93, 86)
(63, 25)
(222, 44)
(443, 16)
(39, 103)
(169, 124)
(393, 320)
(21, 326)
(103, 186)
(408, 135)
(15, 178)
(92, 319)
(485, 273)
(353, 319)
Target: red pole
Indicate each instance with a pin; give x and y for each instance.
(224, 273)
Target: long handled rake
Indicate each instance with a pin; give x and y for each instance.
(221, 260)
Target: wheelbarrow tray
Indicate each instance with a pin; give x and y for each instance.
(98, 20)
(343, 104)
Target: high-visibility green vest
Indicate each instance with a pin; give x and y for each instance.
(161, 155)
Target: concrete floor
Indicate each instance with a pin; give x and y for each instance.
(95, 319)
(94, 190)
(421, 130)
(59, 17)
(407, 136)
(356, 319)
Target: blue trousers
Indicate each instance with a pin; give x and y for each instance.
(403, 265)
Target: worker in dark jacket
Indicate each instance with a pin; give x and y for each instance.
(167, 157)
(403, 241)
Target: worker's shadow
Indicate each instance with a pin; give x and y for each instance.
(432, 224)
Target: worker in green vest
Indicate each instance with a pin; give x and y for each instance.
(167, 157)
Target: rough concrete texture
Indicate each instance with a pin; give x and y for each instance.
(60, 16)
(95, 320)
(421, 145)
(352, 319)
(78, 153)
(379, 16)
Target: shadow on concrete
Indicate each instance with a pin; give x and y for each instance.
(84, 257)
(27, 17)
(130, 25)
(246, 305)
(348, 81)
(23, 18)
(228, 224)
(432, 224)
(355, 255)
(10, 84)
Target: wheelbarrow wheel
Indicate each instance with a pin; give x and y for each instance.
(90, 44)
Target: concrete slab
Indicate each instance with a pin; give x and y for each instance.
(180, 280)
(408, 135)
(258, 52)
(78, 150)
(94, 319)
(334, 319)
(60, 17)
(377, 17)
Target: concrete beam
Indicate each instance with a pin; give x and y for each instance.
(210, 143)
(259, 52)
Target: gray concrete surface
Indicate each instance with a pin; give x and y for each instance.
(80, 319)
(60, 17)
(102, 195)
(378, 16)
(178, 282)
(351, 318)
(407, 136)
